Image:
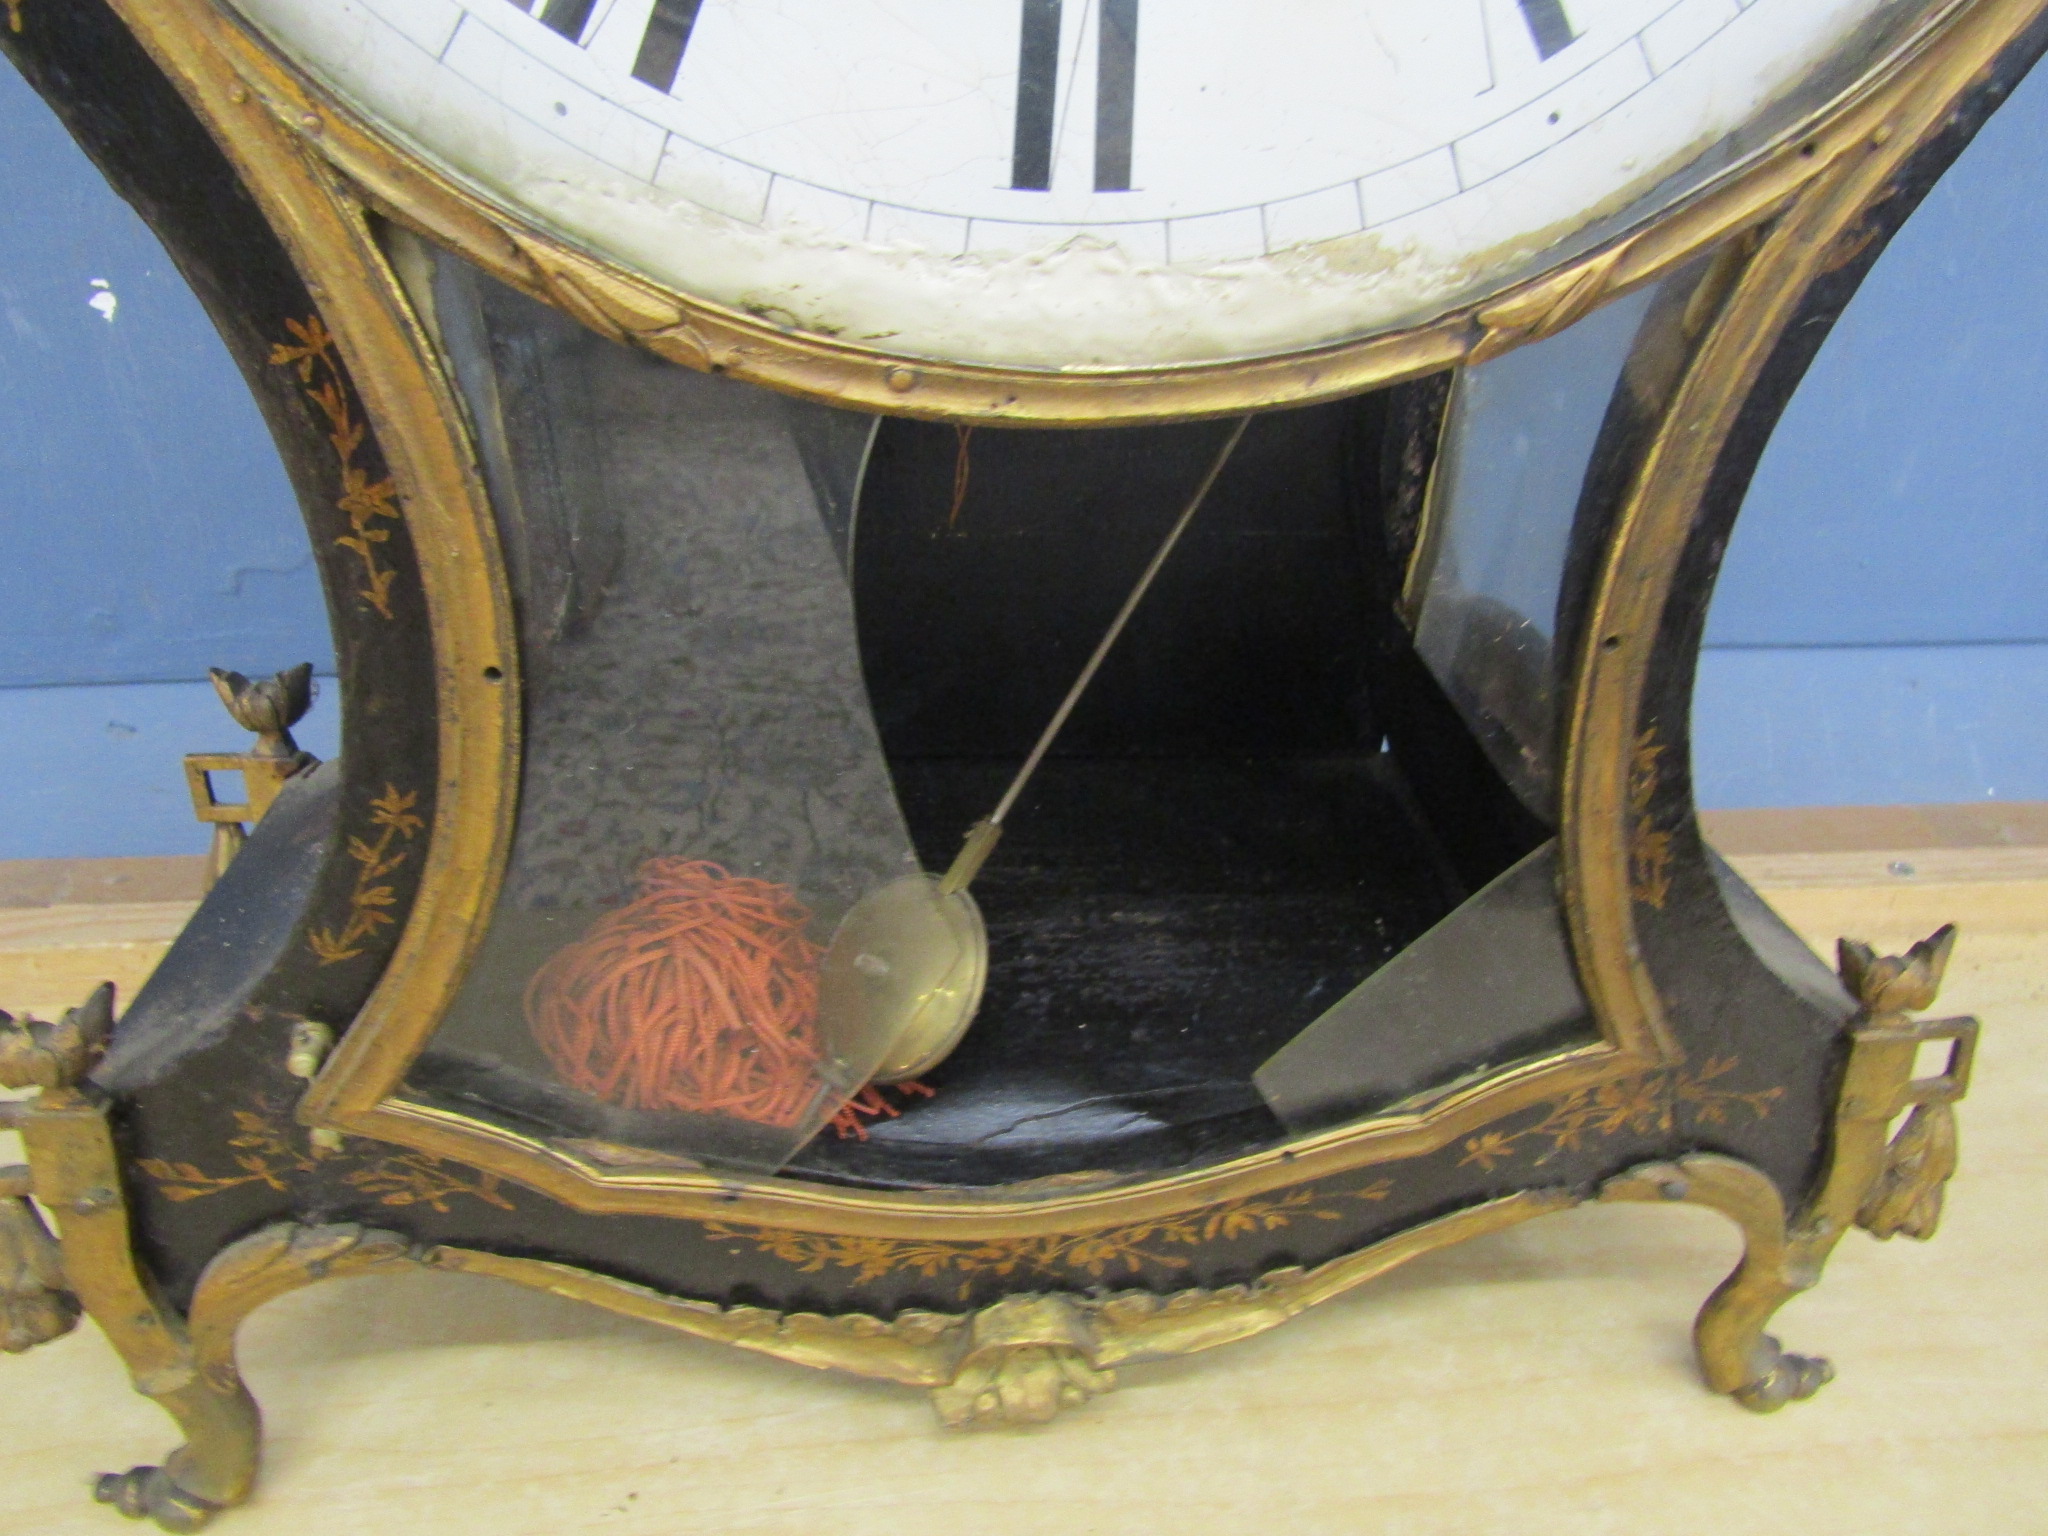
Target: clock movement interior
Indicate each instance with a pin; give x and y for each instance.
(777, 656)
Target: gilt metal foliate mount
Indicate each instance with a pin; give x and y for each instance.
(269, 707)
(37, 1303)
(56, 1057)
(1019, 1360)
(1885, 1184)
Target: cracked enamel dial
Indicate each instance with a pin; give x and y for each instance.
(1098, 183)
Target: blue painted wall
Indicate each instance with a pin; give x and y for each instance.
(150, 530)
(95, 772)
(1880, 634)
(1901, 501)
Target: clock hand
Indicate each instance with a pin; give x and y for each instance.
(984, 835)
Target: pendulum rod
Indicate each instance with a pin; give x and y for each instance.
(983, 836)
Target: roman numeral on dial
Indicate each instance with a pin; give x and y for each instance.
(1038, 85)
(1116, 89)
(1038, 91)
(662, 44)
(1549, 28)
(568, 17)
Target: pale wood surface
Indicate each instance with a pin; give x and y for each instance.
(66, 925)
(77, 882)
(51, 957)
(1535, 1381)
(1854, 828)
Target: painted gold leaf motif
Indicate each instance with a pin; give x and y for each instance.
(1655, 1101)
(1649, 849)
(368, 504)
(371, 900)
(1125, 1250)
(265, 1153)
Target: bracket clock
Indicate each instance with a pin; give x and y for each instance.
(1015, 674)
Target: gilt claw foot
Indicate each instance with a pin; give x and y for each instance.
(147, 1493)
(1781, 1378)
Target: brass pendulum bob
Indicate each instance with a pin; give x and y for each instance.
(905, 972)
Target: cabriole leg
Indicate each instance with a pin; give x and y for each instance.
(74, 1171)
(1886, 1187)
(71, 1153)
(216, 1466)
(1736, 1355)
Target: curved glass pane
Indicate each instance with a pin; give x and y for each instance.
(703, 796)
(1516, 452)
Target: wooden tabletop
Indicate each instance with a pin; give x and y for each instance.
(1538, 1380)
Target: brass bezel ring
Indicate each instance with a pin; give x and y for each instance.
(629, 307)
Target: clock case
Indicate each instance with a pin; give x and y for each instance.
(254, 1121)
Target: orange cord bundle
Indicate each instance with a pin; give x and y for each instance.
(874, 1102)
(701, 994)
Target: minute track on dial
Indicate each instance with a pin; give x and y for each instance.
(1168, 184)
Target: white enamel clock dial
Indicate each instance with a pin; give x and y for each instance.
(1068, 183)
